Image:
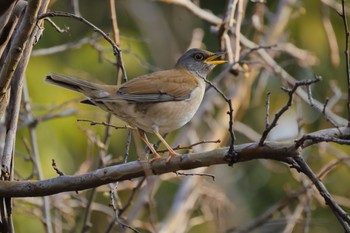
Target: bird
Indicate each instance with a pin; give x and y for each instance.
(158, 102)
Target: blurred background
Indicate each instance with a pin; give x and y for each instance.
(306, 38)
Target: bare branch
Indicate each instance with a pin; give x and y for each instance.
(339, 121)
(92, 123)
(195, 174)
(267, 114)
(20, 42)
(346, 53)
(189, 147)
(341, 215)
(337, 135)
(64, 47)
(231, 155)
(276, 151)
(285, 107)
(54, 166)
(117, 51)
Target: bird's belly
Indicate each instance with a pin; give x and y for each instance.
(166, 116)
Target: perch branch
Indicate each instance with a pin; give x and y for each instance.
(126, 171)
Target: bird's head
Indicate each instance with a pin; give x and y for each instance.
(200, 61)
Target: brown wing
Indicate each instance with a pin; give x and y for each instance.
(168, 85)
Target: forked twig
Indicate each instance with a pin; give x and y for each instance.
(278, 115)
(316, 139)
(324, 108)
(116, 50)
(112, 194)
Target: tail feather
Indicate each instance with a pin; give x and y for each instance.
(88, 89)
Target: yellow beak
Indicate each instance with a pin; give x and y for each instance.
(211, 58)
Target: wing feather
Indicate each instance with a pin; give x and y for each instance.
(162, 86)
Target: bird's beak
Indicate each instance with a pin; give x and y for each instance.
(211, 58)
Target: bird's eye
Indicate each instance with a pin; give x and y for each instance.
(199, 56)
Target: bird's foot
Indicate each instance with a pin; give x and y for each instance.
(171, 155)
(155, 158)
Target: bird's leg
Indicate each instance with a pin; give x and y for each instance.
(171, 151)
(149, 145)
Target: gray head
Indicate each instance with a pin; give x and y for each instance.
(199, 61)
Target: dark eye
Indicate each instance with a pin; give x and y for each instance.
(199, 56)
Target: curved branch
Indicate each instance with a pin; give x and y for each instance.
(116, 50)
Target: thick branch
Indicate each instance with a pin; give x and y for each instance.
(276, 151)
(279, 151)
(17, 48)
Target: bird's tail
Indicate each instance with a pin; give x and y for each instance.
(89, 89)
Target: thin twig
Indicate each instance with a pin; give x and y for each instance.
(225, 39)
(63, 47)
(92, 123)
(116, 50)
(285, 76)
(34, 121)
(127, 146)
(313, 139)
(324, 107)
(131, 196)
(112, 194)
(267, 114)
(231, 155)
(189, 147)
(55, 26)
(114, 21)
(245, 54)
(195, 174)
(54, 166)
(346, 53)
